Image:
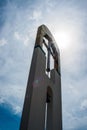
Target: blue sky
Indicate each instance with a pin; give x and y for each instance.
(19, 20)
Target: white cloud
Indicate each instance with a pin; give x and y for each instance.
(25, 39)
(13, 95)
(3, 41)
(17, 109)
(1, 100)
(17, 36)
(36, 15)
(84, 105)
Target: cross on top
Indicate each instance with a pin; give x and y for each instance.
(52, 50)
(49, 52)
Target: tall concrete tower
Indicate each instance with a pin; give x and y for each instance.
(42, 106)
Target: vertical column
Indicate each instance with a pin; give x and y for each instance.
(57, 106)
(33, 116)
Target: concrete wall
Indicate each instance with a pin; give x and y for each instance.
(39, 84)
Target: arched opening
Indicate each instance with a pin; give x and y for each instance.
(48, 108)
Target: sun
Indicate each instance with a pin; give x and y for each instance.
(63, 39)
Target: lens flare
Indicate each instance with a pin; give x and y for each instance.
(63, 39)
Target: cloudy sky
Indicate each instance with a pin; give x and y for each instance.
(19, 20)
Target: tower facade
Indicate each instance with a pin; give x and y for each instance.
(42, 106)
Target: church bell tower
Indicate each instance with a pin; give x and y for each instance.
(42, 108)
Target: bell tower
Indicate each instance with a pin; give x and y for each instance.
(42, 106)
